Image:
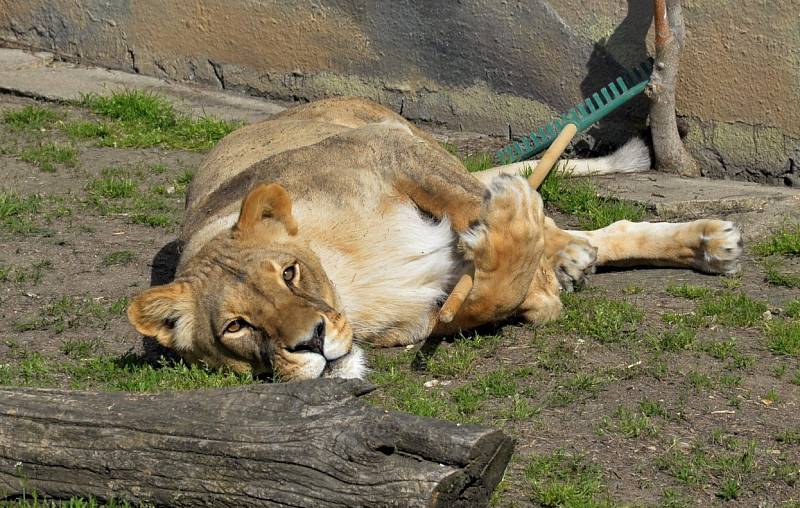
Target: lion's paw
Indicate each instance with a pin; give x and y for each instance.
(720, 247)
(574, 262)
(510, 222)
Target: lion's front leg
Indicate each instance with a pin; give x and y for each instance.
(506, 247)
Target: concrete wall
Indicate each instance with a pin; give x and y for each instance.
(491, 66)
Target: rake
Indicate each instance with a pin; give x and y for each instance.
(583, 115)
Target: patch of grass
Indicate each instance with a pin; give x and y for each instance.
(34, 501)
(557, 358)
(602, 319)
(688, 291)
(632, 289)
(672, 499)
(558, 479)
(455, 360)
(115, 192)
(128, 373)
(47, 155)
(402, 391)
(790, 436)
(778, 278)
(79, 348)
(182, 181)
(521, 409)
(68, 312)
(792, 309)
(153, 211)
(730, 489)
(30, 118)
(33, 370)
(87, 130)
(651, 408)
(772, 396)
(677, 339)
(153, 220)
(686, 320)
(579, 197)
(125, 373)
(120, 257)
(16, 212)
(785, 241)
(137, 119)
(33, 274)
(730, 380)
(473, 162)
(478, 161)
(633, 424)
(784, 337)
(111, 186)
(699, 380)
(575, 388)
(700, 465)
(36, 271)
(732, 309)
(725, 350)
(492, 385)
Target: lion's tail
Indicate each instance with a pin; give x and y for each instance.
(632, 157)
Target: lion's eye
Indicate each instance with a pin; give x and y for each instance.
(289, 274)
(235, 326)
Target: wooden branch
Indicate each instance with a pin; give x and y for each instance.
(297, 444)
(671, 155)
(663, 33)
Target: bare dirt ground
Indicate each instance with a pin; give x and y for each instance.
(616, 404)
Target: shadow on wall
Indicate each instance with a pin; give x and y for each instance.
(625, 48)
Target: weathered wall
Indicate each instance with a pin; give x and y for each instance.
(490, 66)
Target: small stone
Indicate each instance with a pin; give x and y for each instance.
(170, 189)
(767, 315)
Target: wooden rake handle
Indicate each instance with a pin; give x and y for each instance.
(464, 286)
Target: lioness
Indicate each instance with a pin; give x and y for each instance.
(339, 221)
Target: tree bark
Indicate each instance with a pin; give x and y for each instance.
(671, 155)
(297, 444)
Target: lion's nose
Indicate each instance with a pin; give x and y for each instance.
(315, 343)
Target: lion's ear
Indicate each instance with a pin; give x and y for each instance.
(267, 201)
(164, 312)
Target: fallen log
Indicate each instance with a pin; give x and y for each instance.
(304, 444)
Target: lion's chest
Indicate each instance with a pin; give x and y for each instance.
(390, 270)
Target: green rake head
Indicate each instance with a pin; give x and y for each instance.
(594, 108)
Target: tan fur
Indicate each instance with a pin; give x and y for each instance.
(338, 221)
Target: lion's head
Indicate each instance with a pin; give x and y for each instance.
(254, 299)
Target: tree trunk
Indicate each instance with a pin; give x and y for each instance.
(671, 155)
(297, 444)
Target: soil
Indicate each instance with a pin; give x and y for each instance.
(78, 238)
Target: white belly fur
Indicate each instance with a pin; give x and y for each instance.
(389, 271)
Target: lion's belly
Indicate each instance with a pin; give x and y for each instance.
(390, 271)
